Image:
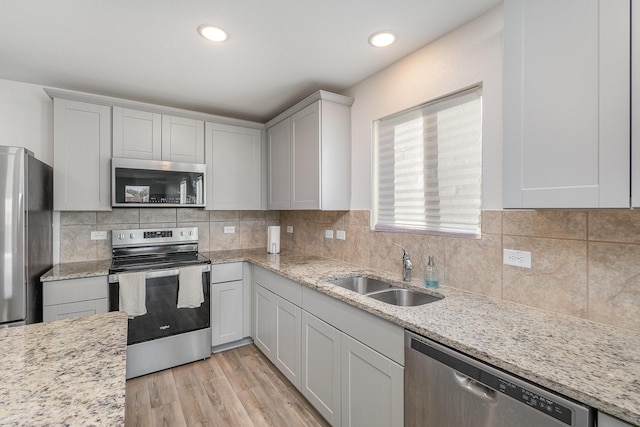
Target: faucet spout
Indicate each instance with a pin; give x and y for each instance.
(407, 265)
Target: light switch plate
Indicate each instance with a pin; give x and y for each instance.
(328, 234)
(98, 235)
(341, 235)
(229, 230)
(289, 228)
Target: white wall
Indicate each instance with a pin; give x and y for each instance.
(26, 118)
(464, 57)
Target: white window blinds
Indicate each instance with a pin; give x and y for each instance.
(428, 167)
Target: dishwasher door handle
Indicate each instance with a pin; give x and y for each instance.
(475, 387)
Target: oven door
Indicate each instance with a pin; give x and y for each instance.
(163, 318)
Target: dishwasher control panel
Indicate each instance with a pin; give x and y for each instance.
(534, 400)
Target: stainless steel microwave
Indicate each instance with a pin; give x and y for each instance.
(136, 183)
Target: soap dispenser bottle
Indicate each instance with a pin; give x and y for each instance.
(430, 274)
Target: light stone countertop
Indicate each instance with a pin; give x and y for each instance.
(596, 364)
(68, 372)
(77, 270)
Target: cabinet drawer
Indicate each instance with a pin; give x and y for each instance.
(279, 285)
(381, 335)
(74, 290)
(75, 309)
(226, 272)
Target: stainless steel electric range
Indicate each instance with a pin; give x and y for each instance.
(166, 335)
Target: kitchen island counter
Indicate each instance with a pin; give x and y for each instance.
(68, 372)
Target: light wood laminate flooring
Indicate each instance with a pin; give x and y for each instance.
(238, 387)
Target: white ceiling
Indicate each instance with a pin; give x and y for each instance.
(278, 51)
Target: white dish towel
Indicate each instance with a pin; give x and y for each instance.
(190, 293)
(133, 293)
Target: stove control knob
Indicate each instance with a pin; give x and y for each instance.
(182, 233)
(121, 236)
(191, 233)
(132, 236)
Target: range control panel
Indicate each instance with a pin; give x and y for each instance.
(142, 237)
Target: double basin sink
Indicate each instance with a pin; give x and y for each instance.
(385, 292)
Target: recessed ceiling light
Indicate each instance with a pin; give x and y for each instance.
(382, 38)
(212, 33)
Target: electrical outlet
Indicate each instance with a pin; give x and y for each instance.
(341, 235)
(289, 228)
(98, 235)
(516, 258)
(229, 230)
(328, 234)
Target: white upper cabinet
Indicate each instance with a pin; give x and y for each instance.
(235, 167)
(306, 160)
(153, 136)
(137, 134)
(81, 156)
(279, 165)
(182, 139)
(566, 104)
(309, 155)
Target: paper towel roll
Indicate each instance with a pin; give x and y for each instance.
(273, 239)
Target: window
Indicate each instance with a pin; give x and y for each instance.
(428, 167)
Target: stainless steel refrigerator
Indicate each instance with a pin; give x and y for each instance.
(26, 236)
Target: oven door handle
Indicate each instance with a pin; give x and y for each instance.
(156, 274)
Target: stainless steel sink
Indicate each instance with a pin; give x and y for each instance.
(404, 297)
(385, 292)
(361, 285)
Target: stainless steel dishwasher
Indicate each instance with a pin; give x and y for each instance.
(444, 388)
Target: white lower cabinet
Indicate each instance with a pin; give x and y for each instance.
(64, 299)
(346, 362)
(372, 387)
(227, 303)
(321, 361)
(265, 320)
(277, 332)
(288, 329)
(605, 420)
(226, 312)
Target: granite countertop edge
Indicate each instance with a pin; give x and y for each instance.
(583, 360)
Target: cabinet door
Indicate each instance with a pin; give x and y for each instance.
(605, 420)
(62, 299)
(182, 140)
(635, 107)
(234, 167)
(226, 312)
(137, 134)
(81, 156)
(305, 158)
(279, 165)
(320, 381)
(288, 331)
(566, 104)
(265, 320)
(372, 387)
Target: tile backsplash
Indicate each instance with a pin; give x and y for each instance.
(584, 263)
(76, 228)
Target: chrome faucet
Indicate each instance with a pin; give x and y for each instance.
(407, 265)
